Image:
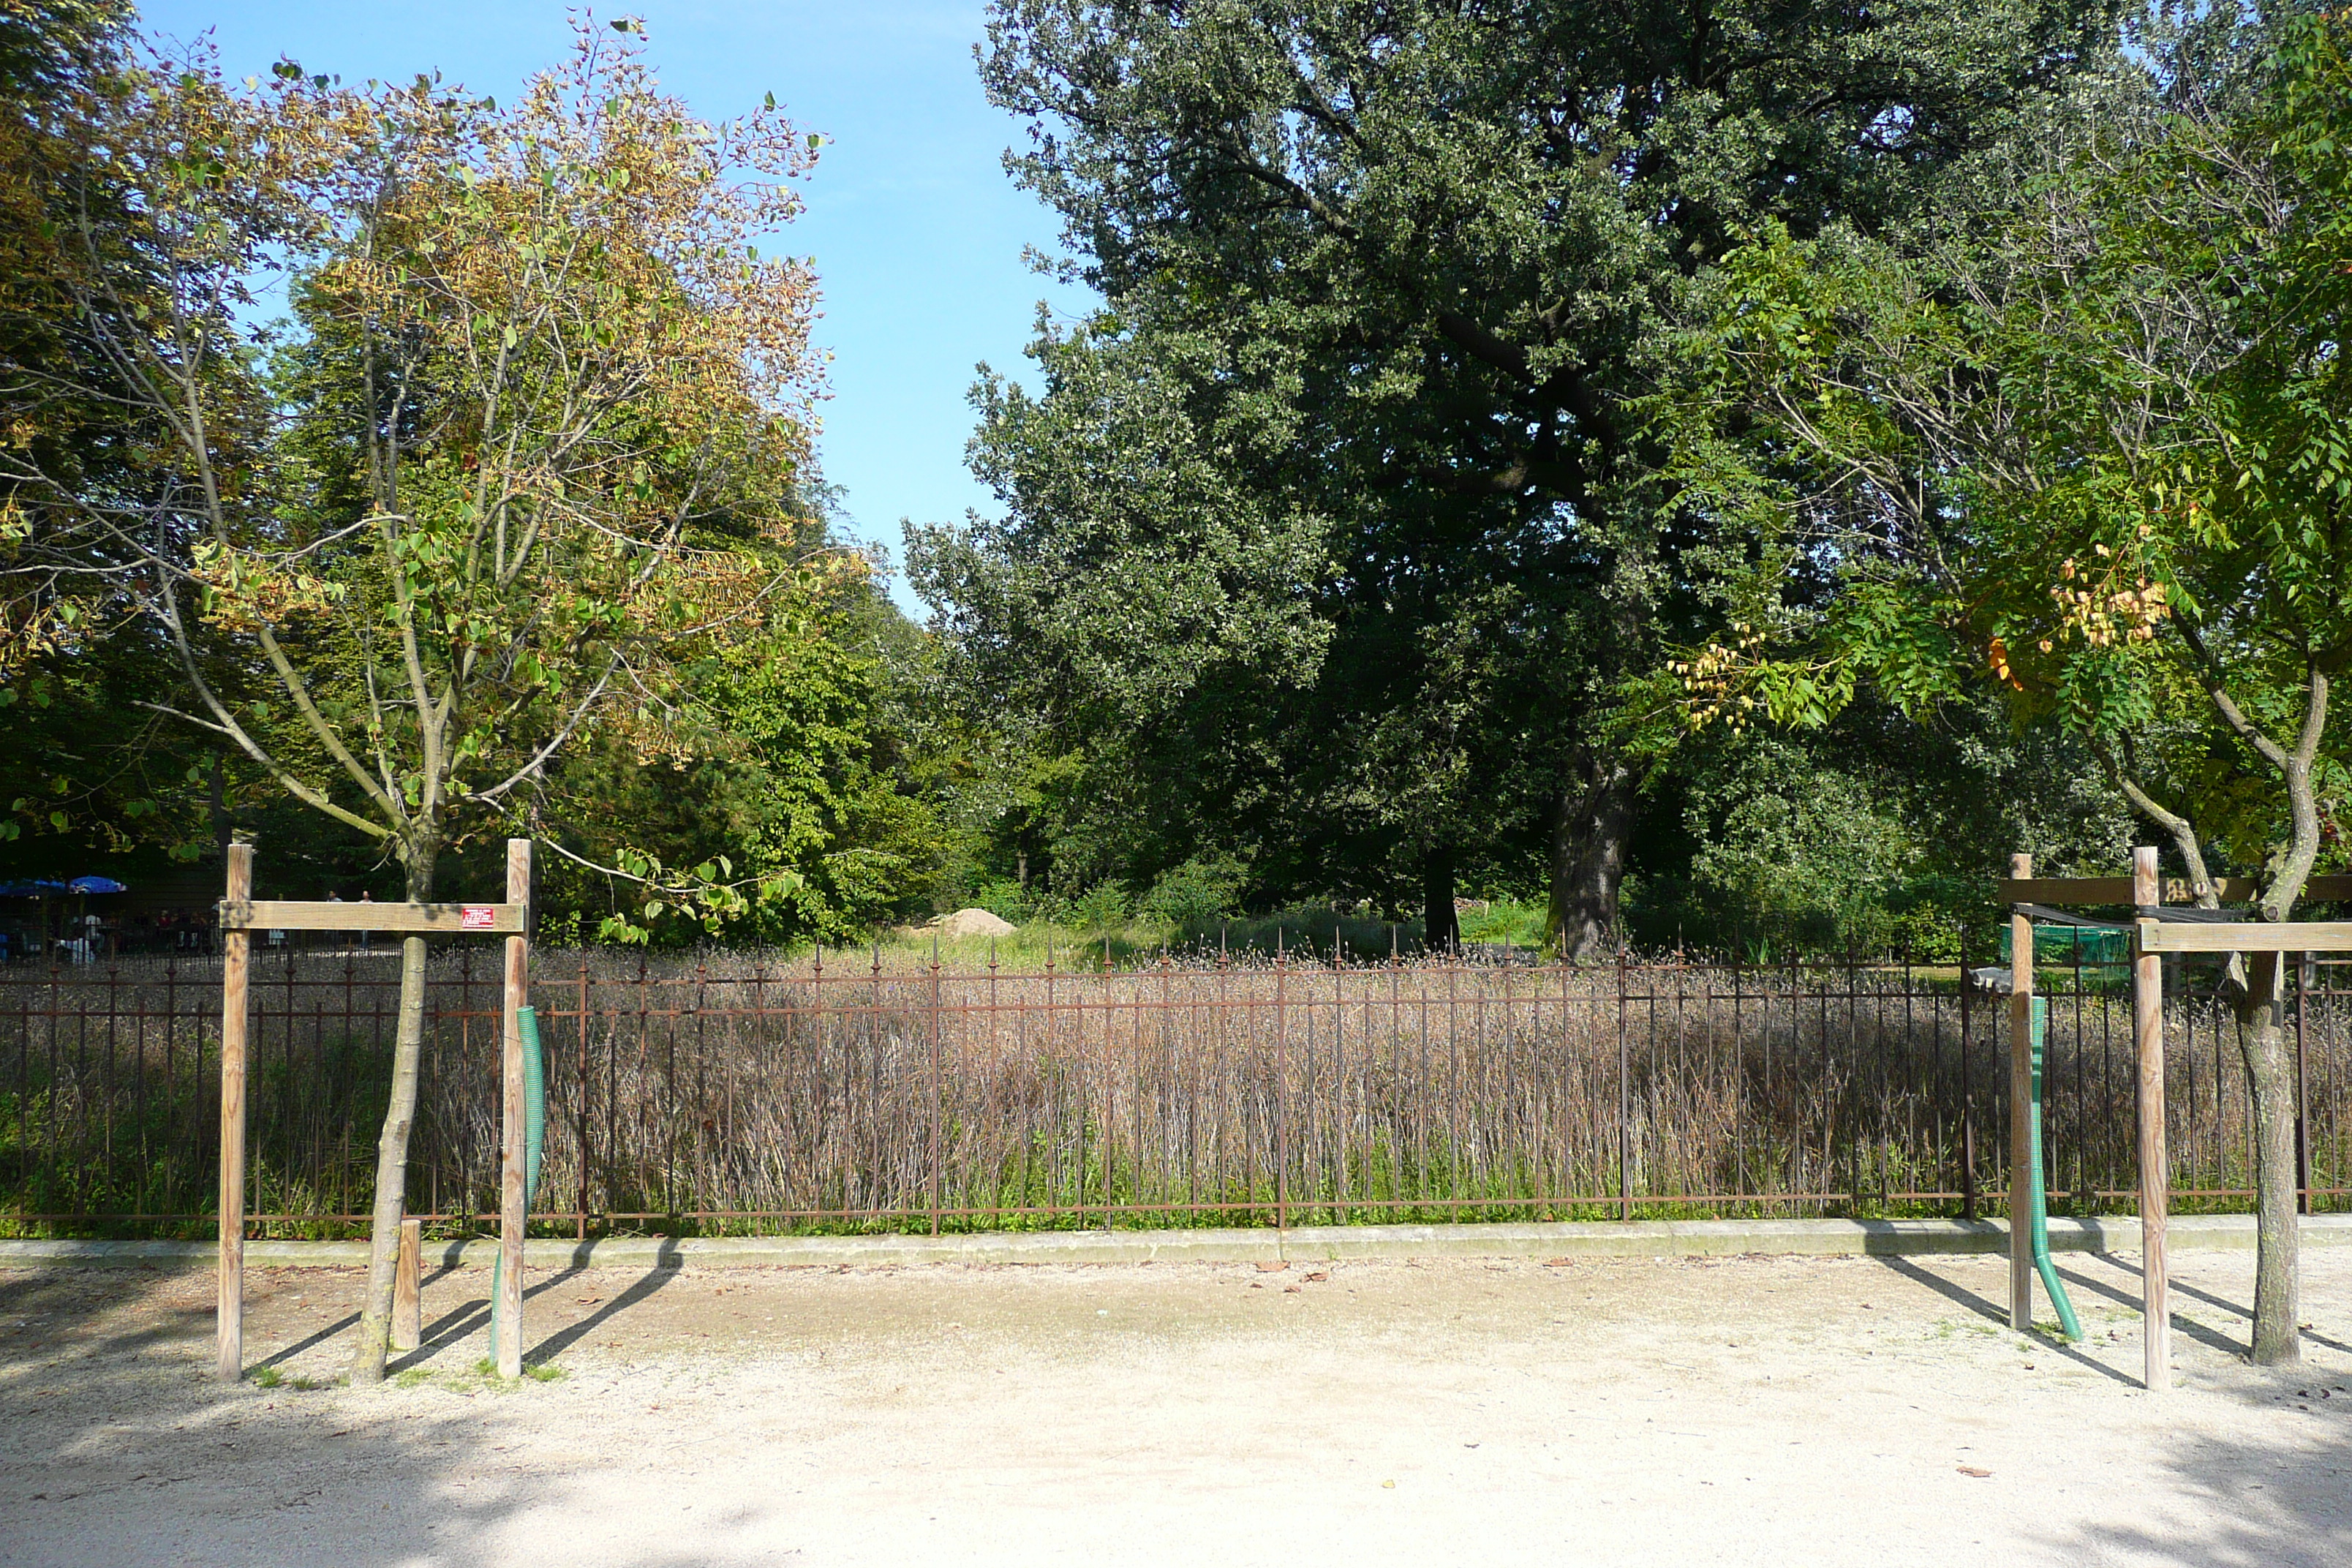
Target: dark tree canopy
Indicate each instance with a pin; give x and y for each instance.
(1387, 286)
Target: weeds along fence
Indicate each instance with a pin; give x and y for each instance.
(726, 1094)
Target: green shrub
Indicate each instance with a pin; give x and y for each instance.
(1196, 893)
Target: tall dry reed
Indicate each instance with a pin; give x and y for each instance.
(741, 1092)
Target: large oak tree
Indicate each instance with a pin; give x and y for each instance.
(1393, 281)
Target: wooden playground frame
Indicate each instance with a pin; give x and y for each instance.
(2152, 940)
(240, 915)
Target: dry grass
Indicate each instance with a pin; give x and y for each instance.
(750, 1092)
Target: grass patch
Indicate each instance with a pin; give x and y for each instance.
(271, 1377)
(482, 1375)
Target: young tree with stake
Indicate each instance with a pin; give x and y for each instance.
(2105, 463)
(538, 444)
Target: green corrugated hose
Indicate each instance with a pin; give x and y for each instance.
(2057, 1288)
(534, 1122)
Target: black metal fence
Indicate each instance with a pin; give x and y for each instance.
(731, 1093)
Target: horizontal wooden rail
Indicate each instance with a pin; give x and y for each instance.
(2176, 891)
(2246, 936)
(449, 919)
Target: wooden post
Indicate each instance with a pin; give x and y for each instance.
(408, 1312)
(2305, 974)
(2020, 1109)
(512, 1195)
(2154, 1170)
(236, 953)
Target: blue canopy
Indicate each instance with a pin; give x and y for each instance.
(97, 885)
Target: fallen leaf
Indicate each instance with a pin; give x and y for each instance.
(1318, 1277)
(588, 1300)
(1556, 1262)
(1290, 1289)
(1389, 1484)
(1271, 1268)
(1972, 1470)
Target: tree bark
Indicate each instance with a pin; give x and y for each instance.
(1441, 932)
(1591, 820)
(2269, 1078)
(392, 1155)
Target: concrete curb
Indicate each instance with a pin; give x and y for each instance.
(1319, 1244)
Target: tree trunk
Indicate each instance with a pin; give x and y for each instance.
(1441, 932)
(1589, 825)
(392, 1155)
(2270, 1081)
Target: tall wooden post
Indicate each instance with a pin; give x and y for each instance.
(511, 1194)
(2154, 1167)
(2020, 1108)
(236, 955)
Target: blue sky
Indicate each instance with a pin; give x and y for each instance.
(916, 230)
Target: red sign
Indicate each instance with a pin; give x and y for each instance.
(477, 917)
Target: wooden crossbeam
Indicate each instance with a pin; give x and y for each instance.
(445, 920)
(2060, 891)
(2246, 936)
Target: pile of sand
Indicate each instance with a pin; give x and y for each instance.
(971, 923)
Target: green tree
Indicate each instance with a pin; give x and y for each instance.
(538, 450)
(1392, 282)
(70, 670)
(1872, 833)
(2099, 463)
(789, 779)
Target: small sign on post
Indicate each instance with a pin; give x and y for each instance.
(477, 917)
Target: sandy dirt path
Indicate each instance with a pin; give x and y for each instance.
(1742, 1411)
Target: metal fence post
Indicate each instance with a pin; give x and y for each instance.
(1624, 1105)
(939, 1151)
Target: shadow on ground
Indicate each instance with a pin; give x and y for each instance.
(118, 1446)
(2281, 1504)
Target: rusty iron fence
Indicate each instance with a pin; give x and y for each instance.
(725, 1092)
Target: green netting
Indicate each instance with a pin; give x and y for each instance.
(2063, 945)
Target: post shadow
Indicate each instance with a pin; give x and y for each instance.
(2196, 1331)
(470, 1315)
(1984, 1309)
(667, 1264)
(321, 1337)
(2236, 1311)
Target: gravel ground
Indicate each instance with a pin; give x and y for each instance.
(1742, 1411)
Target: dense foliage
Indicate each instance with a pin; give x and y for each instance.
(2094, 464)
(515, 510)
(1330, 540)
